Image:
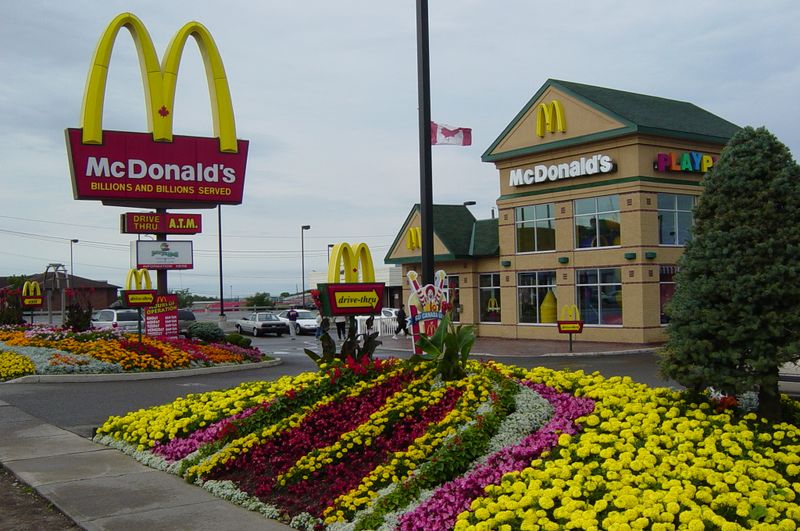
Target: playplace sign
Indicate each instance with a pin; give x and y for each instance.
(690, 161)
(157, 169)
(584, 166)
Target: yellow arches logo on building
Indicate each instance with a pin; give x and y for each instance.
(138, 279)
(350, 261)
(414, 238)
(159, 82)
(550, 117)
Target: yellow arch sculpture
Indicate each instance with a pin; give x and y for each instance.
(159, 81)
(349, 258)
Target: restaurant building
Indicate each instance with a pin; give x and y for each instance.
(597, 192)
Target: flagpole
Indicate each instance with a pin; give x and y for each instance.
(425, 166)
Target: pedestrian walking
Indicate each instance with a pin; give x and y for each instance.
(292, 316)
(340, 321)
(401, 322)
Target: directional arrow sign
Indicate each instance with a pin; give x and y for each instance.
(139, 298)
(354, 298)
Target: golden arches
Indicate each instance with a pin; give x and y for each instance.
(159, 81)
(349, 259)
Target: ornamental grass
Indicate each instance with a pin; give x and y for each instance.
(389, 445)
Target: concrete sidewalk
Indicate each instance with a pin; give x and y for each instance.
(102, 488)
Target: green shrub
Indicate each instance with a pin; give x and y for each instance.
(234, 338)
(208, 332)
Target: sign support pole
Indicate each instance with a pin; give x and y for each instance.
(161, 274)
(139, 323)
(425, 165)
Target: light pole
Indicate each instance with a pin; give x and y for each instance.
(330, 246)
(71, 270)
(303, 228)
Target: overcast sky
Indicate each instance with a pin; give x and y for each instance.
(326, 93)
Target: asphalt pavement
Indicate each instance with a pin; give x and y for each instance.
(47, 424)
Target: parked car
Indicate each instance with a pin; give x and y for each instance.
(185, 318)
(126, 319)
(306, 321)
(262, 323)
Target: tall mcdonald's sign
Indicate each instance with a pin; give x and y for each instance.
(351, 297)
(157, 169)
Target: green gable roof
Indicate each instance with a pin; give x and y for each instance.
(485, 239)
(458, 230)
(640, 113)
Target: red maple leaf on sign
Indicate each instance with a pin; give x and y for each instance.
(163, 111)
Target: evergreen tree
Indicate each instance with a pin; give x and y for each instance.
(735, 315)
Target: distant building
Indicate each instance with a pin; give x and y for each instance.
(84, 291)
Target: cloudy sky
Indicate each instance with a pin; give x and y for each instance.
(326, 93)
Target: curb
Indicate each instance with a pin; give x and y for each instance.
(121, 376)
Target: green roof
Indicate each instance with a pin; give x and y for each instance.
(639, 113)
(458, 230)
(485, 239)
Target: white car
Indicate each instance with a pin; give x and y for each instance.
(126, 319)
(306, 321)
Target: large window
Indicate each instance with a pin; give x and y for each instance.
(536, 229)
(675, 218)
(599, 294)
(490, 298)
(666, 285)
(453, 295)
(536, 297)
(597, 222)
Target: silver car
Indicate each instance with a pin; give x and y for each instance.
(125, 319)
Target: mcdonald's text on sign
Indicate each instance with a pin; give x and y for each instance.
(157, 169)
(160, 223)
(131, 169)
(581, 167)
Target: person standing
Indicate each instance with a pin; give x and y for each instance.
(340, 321)
(292, 316)
(401, 322)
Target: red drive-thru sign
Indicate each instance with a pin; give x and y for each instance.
(364, 298)
(570, 322)
(157, 223)
(161, 319)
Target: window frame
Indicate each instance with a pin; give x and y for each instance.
(534, 220)
(599, 300)
(596, 216)
(492, 287)
(534, 288)
(675, 212)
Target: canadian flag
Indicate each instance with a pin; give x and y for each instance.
(447, 135)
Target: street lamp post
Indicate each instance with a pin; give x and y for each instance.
(71, 269)
(330, 246)
(303, 228)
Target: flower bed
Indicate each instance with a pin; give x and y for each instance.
(58, 351)
(390, 446)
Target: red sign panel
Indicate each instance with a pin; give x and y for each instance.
(356, 298)
(155, 223)
(161, 319)
(132, 169)
(32, 302)
(570, 327)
